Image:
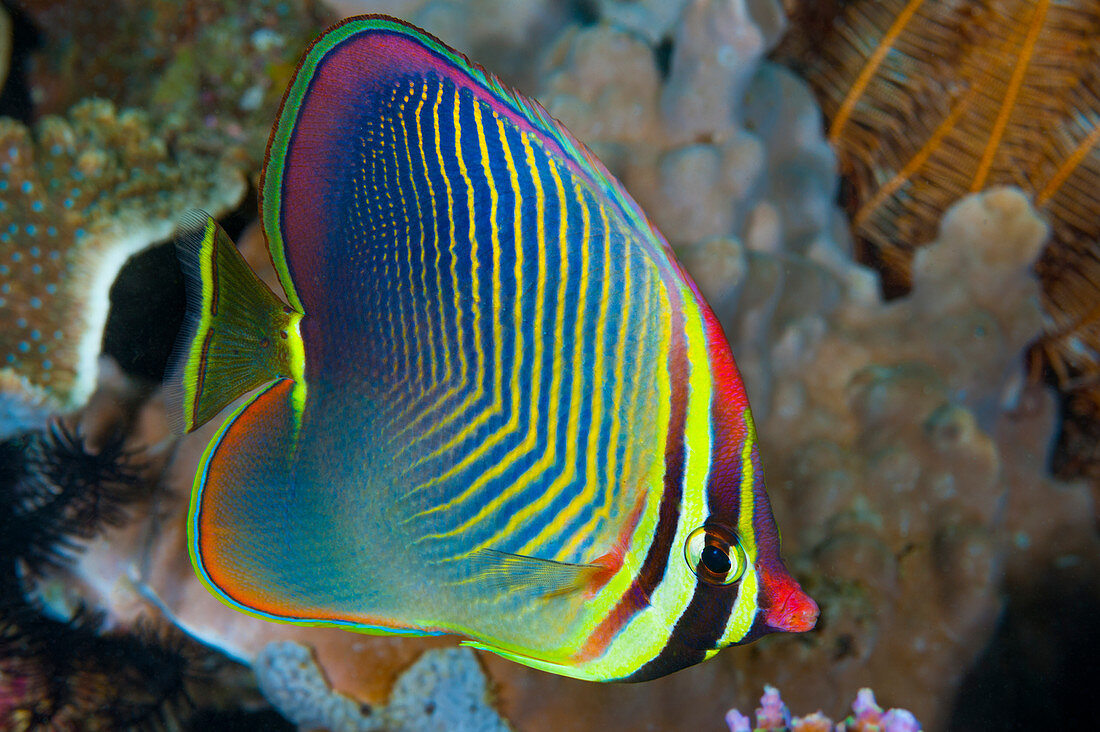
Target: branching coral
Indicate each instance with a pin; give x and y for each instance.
(867, 716)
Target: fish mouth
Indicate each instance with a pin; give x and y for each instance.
(797, 613)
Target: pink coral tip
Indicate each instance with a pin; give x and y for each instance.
(816, 722)
(737, 721)
(865, 706)
(899, 720)
(773, 713)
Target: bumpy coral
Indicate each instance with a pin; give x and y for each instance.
(879, 448)
(218, 66)
(78, 195)
(867, 716)
(726, 145)
(928, 101)
(444, 690)
(499, 34)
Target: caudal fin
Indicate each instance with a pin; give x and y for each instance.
(237, 335)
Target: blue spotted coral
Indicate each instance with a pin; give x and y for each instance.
(78, 196)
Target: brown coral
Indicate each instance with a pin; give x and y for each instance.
(220, 66)
(78, 195)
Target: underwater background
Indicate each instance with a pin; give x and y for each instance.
(892, 205)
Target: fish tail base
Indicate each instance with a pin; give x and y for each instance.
(236, 336)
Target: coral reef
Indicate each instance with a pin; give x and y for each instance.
(744, 159)
(62, 676)
(928, 101)
(773, 716)
(1068, 355)
(72, 670)
(499, 34)
(73, 674)
(906, 456)
(444, 690)
(882, 457)
(218, 67)
(97, 180)
(78, 195)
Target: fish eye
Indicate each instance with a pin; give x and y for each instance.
(715, 555)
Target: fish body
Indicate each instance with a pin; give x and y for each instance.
(493, 404)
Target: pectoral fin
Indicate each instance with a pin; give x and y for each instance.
(538, 577)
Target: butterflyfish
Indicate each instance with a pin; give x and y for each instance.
(488, 400)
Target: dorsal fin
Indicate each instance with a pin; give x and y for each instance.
(349, 62)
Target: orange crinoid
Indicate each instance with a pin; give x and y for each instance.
(928, 100)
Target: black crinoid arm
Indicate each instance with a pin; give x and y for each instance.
(54, 494)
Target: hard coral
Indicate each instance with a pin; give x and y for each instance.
(444, 690)
(726, 145)
(498, 34)
(218, 66)
(78, 195)
(879, 451)
(928, 101)
(867, 716)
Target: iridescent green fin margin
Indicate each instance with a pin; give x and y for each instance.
(235, 327)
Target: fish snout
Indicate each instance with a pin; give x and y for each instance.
(795, 613)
